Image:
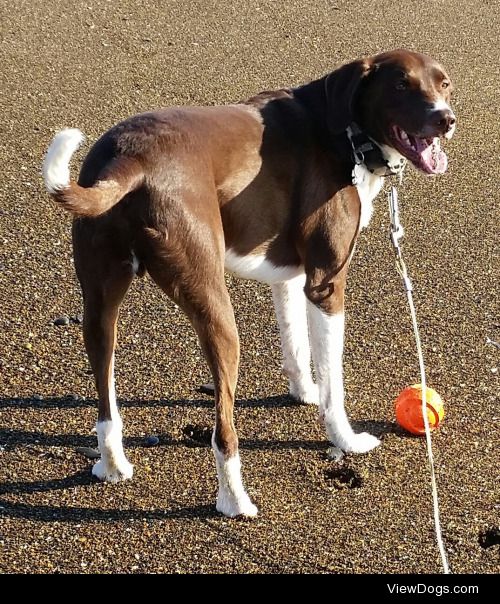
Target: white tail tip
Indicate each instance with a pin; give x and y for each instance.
(56, 163)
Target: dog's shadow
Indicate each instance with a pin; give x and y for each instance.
(378, 428)
(194, 436)
(76, 402)
(48, 513)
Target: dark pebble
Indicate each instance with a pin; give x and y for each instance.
(78, 319)
(88, 452)
(61, 321)
(152, 441)
(207, 389)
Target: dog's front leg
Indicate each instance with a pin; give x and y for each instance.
(290, 307)
(326, 323)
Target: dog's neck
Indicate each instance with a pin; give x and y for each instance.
(377, 158)
(354, 145)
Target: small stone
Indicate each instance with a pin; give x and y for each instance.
(37, 397)
(494, 370)
(208, 388)
(88, 452)
(64, 320)
(335, 454)
(78, 319)
(152, 441)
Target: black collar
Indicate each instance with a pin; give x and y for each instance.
(367, 151)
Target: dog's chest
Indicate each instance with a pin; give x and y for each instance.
(259, 268)
(368, 186)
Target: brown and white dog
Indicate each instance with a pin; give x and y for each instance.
(275, 189)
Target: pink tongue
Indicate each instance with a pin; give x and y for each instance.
(433, 158)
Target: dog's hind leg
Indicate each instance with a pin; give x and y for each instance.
(190, 269)
(291, 312)
(105, 277)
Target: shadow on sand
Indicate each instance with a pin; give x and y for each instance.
(195, 436)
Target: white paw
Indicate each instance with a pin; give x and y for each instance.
(359, 443)
(231, 506)
(113, 472)
(308, 394)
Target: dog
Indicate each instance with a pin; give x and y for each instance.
(275, 188)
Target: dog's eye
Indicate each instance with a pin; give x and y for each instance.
(402, 84)
(445, 84)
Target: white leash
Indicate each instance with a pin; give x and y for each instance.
(396, 234)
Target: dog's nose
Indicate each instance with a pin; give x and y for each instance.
(443, 120)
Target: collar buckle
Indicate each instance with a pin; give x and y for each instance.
(365, 150)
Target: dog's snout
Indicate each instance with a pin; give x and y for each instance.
(443, 120)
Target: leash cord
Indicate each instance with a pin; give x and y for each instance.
(396, 234)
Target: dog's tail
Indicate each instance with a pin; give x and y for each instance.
(121, 176)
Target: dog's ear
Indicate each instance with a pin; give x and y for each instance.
(341, 87)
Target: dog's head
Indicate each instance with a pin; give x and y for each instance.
(399, 98)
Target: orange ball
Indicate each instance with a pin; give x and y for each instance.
(409, 409)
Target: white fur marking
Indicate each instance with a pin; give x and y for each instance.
(290, 307)
(393, 157)
(259, 268)
(327, 343)
(448, 135)
(441, 105)
(56, 163)
(135, 263)
(232, 499)
(368, 187)
(113, 465)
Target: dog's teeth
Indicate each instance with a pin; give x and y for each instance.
(435, 151)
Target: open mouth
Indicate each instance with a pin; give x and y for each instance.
(424, 153)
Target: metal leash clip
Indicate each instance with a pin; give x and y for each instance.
(396, 229)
